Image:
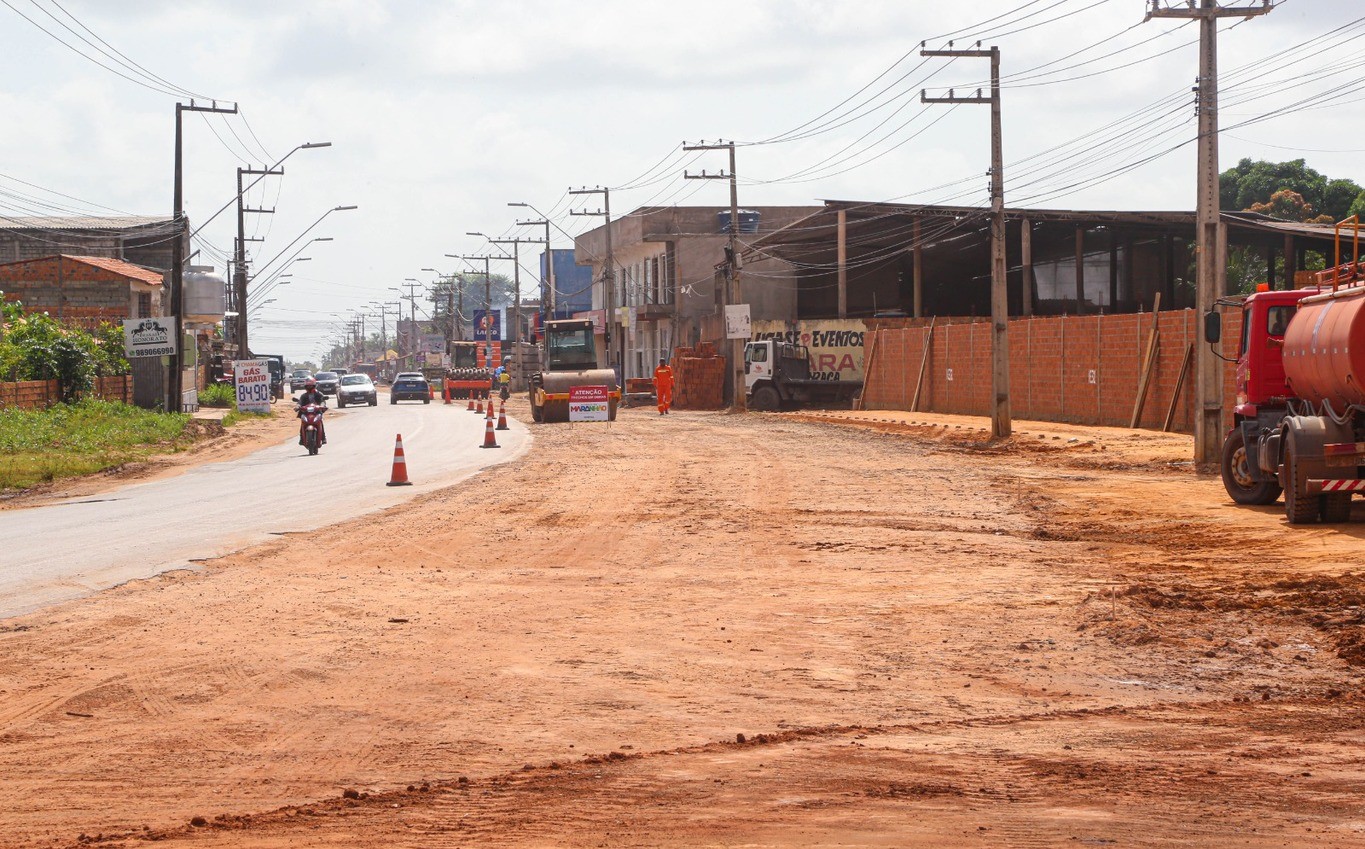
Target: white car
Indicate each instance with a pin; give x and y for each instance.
(356, 389)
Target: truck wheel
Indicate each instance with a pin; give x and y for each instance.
(765, 400)
(1299, 508)
(1237, 474)
(1336, 508)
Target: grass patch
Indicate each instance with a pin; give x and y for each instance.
(82, 438)
(217, 395)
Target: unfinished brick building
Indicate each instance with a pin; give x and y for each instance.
(83, 290)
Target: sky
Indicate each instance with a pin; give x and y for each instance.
(440, 113)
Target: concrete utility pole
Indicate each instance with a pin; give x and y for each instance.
(175, 393)
(547, 302)
(516, 276)
(412, 285)
(487, 297)
(1211, 259)
(733, 264)
(239, 262)
(1001, 424)
(609, 273)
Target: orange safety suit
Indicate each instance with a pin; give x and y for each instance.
(663, 388)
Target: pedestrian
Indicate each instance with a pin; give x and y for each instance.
(663, 386)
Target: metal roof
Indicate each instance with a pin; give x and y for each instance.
(82, 222)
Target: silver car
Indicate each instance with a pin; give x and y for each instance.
(356, 389)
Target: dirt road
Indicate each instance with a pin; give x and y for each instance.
(724, 630)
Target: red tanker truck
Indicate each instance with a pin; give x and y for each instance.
(1299, 419)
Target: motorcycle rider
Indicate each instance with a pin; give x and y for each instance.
(503, 377)
(311, 395)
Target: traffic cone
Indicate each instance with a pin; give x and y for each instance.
(490, 408)
(445, 392)
(479, 409)
(489, 440)
(400, 465)
(502, 416)
(471, 402)
(431, 390)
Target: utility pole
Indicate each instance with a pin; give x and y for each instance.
(487, 300)
(412, 287)
(175, 400)
(609, 273)
(1211, 261)
(547, 300)
(239, 262)
(733, 263)
(1001, 424)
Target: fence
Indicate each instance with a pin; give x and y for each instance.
(1080, 369)
(38, 394)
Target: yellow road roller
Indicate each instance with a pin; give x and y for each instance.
(570, 359)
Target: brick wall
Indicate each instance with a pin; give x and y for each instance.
(37, 394)
(1080, 369)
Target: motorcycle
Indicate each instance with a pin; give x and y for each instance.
(311, 415)
(504, 381)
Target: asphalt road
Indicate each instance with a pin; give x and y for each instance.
(74, 548)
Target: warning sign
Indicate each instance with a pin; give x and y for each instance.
(589, 404)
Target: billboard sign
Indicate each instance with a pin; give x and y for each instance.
(252, 380)
(149, 337)
(737, 324)
(487, 326)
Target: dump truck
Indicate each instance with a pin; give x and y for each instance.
(569, 359)
(778, 374)
(1298, 422)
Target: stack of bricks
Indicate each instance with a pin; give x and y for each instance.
(698, 378)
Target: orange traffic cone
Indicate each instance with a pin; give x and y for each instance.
(479, 409)
(502, 416)
(471, 402)
(400, 465)
(445, 392)
(489, 440)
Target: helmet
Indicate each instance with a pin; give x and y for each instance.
(506, 360)
(310, 383)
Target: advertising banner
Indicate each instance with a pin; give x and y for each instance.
(836, 345)
(252, 379)
(589, 404)
(149, 337)
(487, 326)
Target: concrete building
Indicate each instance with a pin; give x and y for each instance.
(83, 290)
(668, 289)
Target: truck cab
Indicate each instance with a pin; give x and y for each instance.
(778, 374)
(1260, 358)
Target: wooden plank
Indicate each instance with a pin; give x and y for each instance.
(860, 403)
(923, 364)
(1153, 343)
(1179, 384)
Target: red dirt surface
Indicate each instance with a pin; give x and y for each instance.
(844, 629)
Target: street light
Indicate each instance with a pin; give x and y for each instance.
(549, 278)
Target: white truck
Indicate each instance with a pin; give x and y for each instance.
(778, 374)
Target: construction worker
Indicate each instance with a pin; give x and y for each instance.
(663, 386)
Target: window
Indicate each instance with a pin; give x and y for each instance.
(1277, 319)
(756, 353)
(144, 305)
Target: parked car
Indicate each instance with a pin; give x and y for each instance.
(356, 389)
(328, 381)
(410, 387)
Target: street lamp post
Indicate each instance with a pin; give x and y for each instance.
(549, 279)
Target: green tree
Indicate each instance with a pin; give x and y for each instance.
(1256, 182)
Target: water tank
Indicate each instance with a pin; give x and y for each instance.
(204, 297)
(748, 221)
(1324, 348)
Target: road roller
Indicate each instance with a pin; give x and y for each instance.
(569, 359)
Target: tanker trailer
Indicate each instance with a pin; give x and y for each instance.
(570, 360)
(1299, 417)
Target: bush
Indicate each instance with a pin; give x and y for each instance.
(218, 395)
